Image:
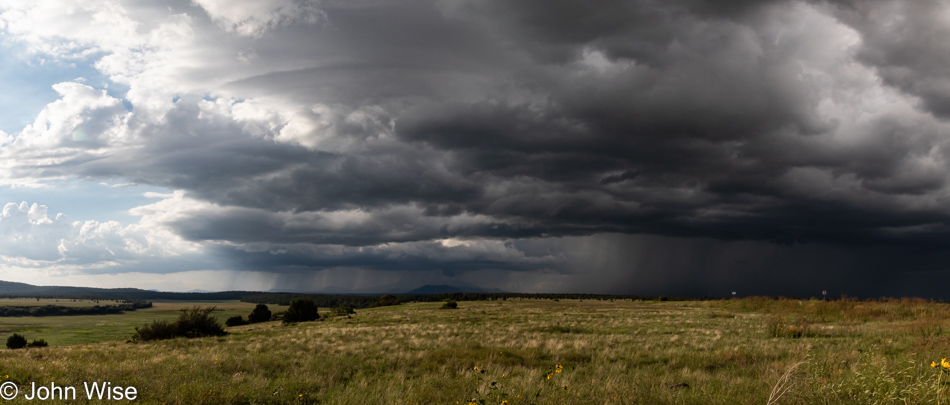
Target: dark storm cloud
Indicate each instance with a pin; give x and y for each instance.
(903, 40)
(778, 121)
(709, 112)
(418, 256)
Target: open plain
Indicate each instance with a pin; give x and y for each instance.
(744, 351)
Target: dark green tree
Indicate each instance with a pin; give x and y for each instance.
(343, 310)
(236, 320)
(260, 314)
(387, 300)
(16, 341)
(302, 310)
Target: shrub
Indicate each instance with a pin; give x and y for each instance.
(195, 322)
(16, 341)
(387, 300)
(236, 320)
(198, 322)
(778, 326)
(343, 310)
(37, 343)
(302, 310)
(157, 330)
(449, 304)
(259, 314)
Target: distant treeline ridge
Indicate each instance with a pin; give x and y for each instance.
(60, 310)
(369, 301)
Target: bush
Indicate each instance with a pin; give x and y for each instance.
(16, 341)
(343, 310)
(780, 327)
(198, 322)
(37, 343)
(157, 330)
(259, 314)
(449, 304)
(195, 322)
(387, 300)
(236, 320)
(302, 310)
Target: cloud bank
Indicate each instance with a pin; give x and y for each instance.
(458, 136)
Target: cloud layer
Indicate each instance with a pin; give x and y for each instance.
(450, 135)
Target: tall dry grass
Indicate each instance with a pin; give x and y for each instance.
(619, 352)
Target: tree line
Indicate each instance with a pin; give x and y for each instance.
(370, 301)
(60, 310)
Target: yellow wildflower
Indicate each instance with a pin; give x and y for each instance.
(933, 364)
(944, 363)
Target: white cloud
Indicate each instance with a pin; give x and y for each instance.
(255, 17)
(83, 124)
(74, 30)
(30, 238)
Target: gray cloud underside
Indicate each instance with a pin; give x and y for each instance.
(526, 119)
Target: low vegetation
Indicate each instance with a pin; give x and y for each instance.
(191, 323)
(302, 310)
(17, 341)
(449, 304)
(387, 300)
(743, 351)
(236, 320)
(37, 343)
(343, 310)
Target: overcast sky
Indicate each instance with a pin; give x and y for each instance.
(677, 147)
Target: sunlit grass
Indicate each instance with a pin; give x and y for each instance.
(716, 352)
(78, 329)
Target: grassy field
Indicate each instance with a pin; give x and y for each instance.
(71, 330)
(566, 352)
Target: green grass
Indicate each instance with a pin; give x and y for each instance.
(79, 329)
(620, 352)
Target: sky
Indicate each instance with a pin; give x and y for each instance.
(674, 147)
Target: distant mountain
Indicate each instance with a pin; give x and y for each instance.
(448, 289)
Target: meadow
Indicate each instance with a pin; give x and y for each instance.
(79, 329)
(744, 351)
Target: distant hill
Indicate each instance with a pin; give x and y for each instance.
(448, 289)
(10, 287)
(14, 289)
